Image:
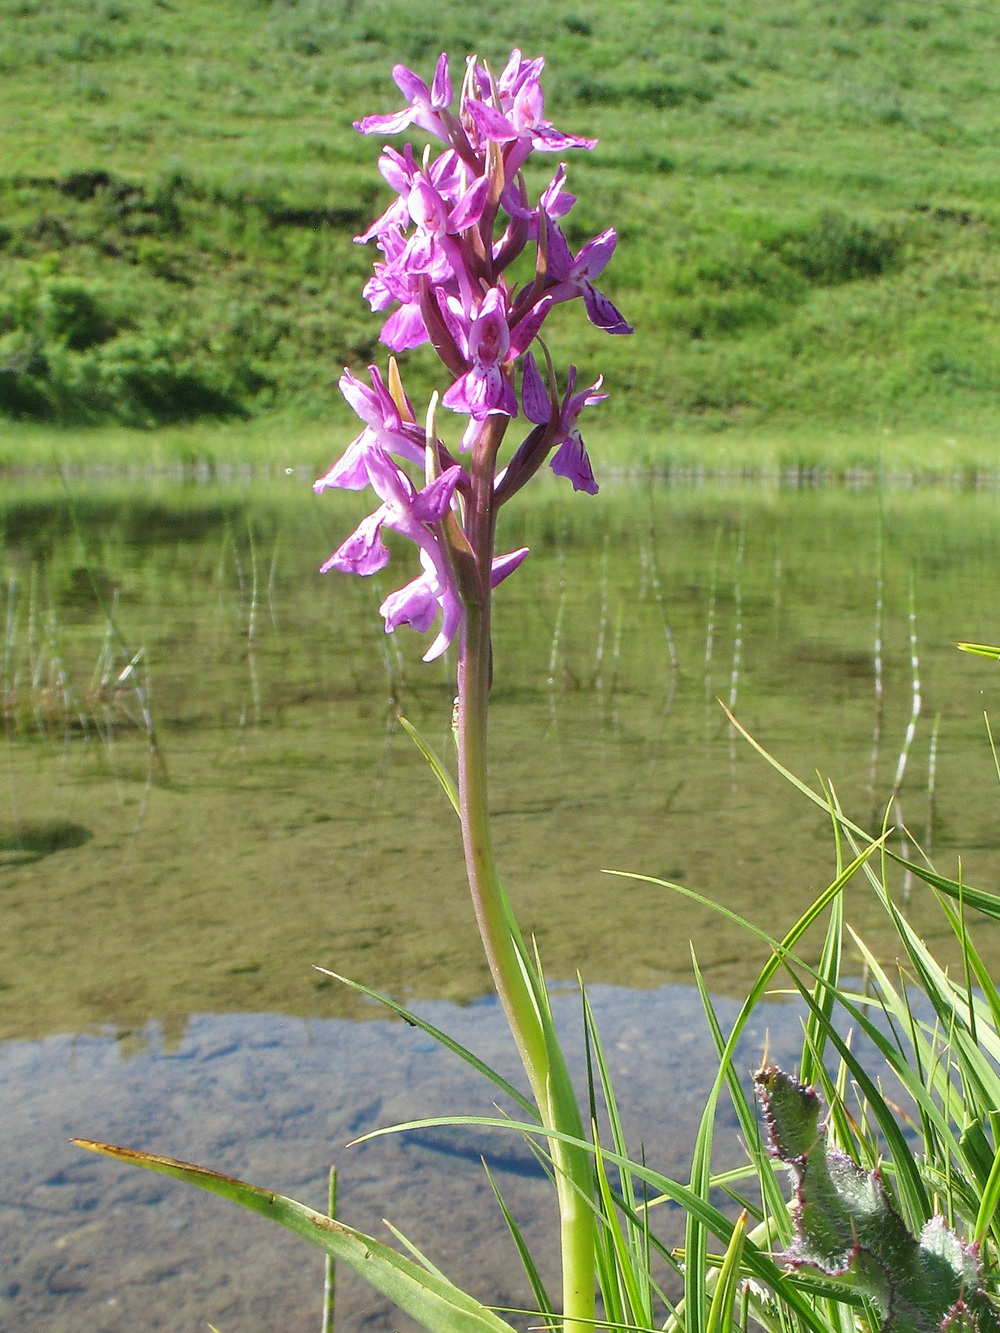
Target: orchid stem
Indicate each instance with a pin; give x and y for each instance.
(517, 983)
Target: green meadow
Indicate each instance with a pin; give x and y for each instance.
(806, 193)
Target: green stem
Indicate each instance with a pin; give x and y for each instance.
(330, 1285)
(517, 985)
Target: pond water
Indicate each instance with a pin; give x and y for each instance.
(207, 792)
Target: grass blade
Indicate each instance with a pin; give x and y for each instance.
(431, 1300)
(755, 1261)
(449, 1043)
(545, 1306)
(720, 1314)
(330, 1276)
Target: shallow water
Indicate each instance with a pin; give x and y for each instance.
(179, 844)
(90, 1245)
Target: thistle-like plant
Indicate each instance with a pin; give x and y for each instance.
(847, 1229)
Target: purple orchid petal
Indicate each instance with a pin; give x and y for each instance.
(549, 140)
(416, 604)
(522, 103)
(516, 71)
(385, 427)
(395, 123)
(529, 105)
(571, 460)
(399, 169)
(456, 396)
(489, 336)
(433, 501)
(441, 87)
(451, 619)
(448, 174)
(554, 200)
(526, 329)
(373, 405)
(576, 402)
(558, 255)
(424, 104)
(572, 277)
(492, 126)
(482, 391)
(504, 565)
(592, 257)
(364, 552)
(469, 208)
(427, 208)
(469, 435)
(394, 217)
(410, 85)
(457, 323)
(377, 293)
(404, 328)
(350, 472)
(392, 486)
(512, 203)
(603, 313)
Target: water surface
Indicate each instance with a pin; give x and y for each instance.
(207, 792)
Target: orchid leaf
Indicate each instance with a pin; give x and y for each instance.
(435, 761)
(431, 1300)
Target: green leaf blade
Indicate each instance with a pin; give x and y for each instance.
(431, 1300)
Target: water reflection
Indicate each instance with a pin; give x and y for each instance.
(223, 722)
(91, 1246)
(207, 791)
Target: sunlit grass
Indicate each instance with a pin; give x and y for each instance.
(269, 445)
(805, 196)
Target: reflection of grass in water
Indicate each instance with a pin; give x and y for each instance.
(802, 453)
(184, 910)
(47, 687)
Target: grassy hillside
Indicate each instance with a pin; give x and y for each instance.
(807, 194)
